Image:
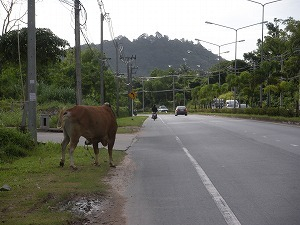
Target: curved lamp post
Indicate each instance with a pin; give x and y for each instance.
(262, 38)
(236, 30)
(219, 52)
(262, 24)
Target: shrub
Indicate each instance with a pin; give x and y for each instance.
(14, 144)
(48, 93)
(11, 119)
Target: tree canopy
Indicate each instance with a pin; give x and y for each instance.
(276, 78)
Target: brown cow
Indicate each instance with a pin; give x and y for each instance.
(95, 123)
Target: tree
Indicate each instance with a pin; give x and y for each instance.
(195, 96)
(50, 49)
(9, 22)
(246, 86)
(10, 84)
(90, 71)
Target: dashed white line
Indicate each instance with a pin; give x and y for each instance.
(294, 145)
(227, 213)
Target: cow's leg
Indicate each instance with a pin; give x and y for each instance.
(110, 148)
(96, 151)
(73, 145)
(64, 144)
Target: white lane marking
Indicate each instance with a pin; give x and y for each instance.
(294, 145)
(227, 213)
(184, 122)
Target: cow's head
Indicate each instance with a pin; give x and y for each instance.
(107, 104)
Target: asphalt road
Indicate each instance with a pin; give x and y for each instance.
(211, 170)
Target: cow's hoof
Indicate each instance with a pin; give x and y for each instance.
(61, 164)
(112, 165)
(96, 164)
(73, 167)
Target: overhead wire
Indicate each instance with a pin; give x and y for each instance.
(83, 25)
(109, 22)
(110, 28)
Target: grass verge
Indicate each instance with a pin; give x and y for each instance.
(130, 124)
(278, 119)
(39, 187)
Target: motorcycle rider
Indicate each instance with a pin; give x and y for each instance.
(154, 109)
(154, 112)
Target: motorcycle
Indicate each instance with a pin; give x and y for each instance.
(135, 112)
(154, 116)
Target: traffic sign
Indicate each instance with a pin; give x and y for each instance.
(132, 95)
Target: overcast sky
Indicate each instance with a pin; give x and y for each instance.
(174, 18)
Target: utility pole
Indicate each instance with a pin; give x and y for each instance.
(144, 94)
(77, 54)
(102, 16)
(173, 92)
(127, 60)
(101, 62)
(129, 81)
(117, 78)
(31, 71)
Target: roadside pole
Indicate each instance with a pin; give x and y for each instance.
(31, 71)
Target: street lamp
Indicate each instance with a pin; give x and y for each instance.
(262, 39)
(219, 52)
(262, 24)
(236, 30)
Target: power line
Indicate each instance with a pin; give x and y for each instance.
(108, 20)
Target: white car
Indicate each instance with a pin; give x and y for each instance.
(162, 108)
(230, 104)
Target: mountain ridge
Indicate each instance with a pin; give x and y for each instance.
(158, 51)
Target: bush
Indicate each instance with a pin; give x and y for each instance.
(14, 144)
(48, 93)
(11, 119)
(282, 112)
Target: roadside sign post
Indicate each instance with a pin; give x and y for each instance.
(132, 95)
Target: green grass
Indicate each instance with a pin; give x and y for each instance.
(40, 186)
(130, 124)
(136, 121)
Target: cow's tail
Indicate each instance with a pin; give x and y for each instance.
(60, 121)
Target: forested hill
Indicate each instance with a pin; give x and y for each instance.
(159, 52)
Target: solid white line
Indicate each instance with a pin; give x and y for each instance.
(227, 213)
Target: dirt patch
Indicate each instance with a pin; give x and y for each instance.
(110, 209)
